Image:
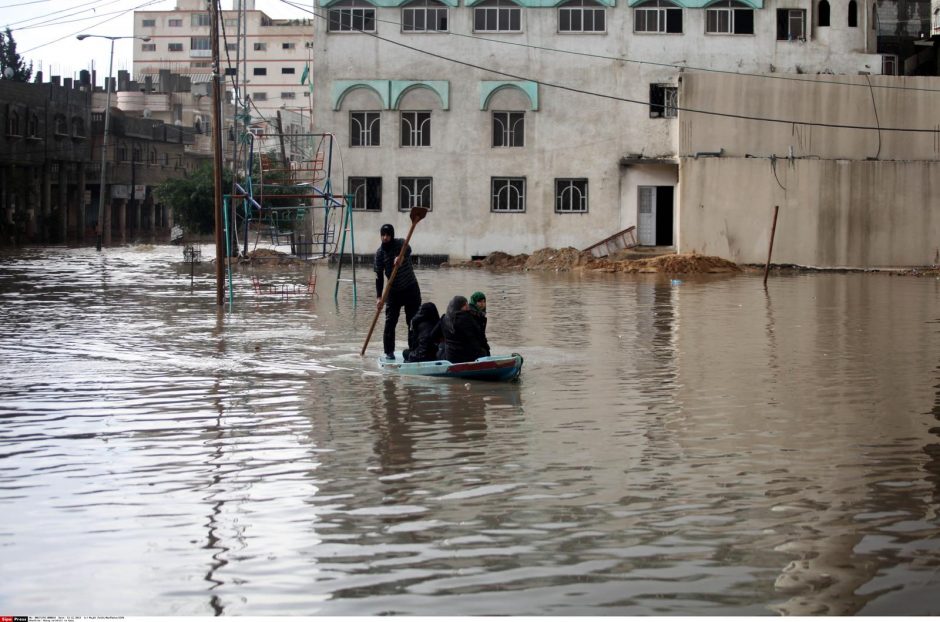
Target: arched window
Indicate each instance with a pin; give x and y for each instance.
(136, 152)
(122, 152)
(78, 127)
(61, 125)
(853, 14)
(33, 129)
(823, 13)
(13, 123)
(153, 156)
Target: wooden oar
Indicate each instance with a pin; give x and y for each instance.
(417, 214)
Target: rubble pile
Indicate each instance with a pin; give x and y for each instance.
(569, 259)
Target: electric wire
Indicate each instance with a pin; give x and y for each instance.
(793, 78)
(564, 87)
(68, 36)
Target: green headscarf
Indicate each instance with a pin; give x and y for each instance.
(477, 297)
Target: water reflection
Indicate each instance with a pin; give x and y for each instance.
(688, 447)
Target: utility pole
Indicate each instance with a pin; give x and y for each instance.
(217, 152)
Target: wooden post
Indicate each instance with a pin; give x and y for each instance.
(770, 250)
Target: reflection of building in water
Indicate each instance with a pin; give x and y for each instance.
(804, 447)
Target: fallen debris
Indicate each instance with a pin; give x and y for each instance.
(570, 259)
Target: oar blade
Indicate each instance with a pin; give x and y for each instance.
(418, 213)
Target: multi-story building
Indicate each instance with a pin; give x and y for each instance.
(525, 124)
(267, 55)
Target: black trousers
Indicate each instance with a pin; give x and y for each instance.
(410, 299)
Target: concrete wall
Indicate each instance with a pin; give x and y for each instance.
(847, 197)
(833, 213)
(570, 134)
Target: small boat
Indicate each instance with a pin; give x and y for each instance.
(500, 368)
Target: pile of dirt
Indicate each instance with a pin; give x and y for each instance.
(269, 257)
(568, 259)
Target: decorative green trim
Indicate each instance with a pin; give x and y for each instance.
(398, 89)
(489, 87)
(386, 4)
(340, 88)
(539, 4)
(700, 4)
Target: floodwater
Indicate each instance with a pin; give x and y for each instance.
(674, 446)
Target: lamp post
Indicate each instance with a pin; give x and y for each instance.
(99, 230)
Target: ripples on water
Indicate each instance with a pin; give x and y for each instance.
(698, 447)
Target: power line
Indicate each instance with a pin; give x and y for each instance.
(571, 89)
(623, 59)
(90, 6)
(139, 6)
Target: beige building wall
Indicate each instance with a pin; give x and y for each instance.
(277, 50)
(849, 196)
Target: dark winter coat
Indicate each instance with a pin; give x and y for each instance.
(385, 262)
(463, 337)
(425, 334)
(480, 317)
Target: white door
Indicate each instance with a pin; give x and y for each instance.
(646, 219)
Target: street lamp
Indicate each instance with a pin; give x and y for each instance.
(107, 130)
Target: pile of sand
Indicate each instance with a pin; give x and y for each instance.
(269, 257)
(568, 259)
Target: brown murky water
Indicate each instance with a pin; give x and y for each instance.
(673, 447)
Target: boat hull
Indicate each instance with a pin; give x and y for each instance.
(496, 368)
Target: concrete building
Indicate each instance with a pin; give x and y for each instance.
(268, 58)
(530, 124)
(44, 152)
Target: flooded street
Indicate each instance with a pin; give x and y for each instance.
(675, 446)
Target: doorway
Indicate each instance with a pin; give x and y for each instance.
(655, 217)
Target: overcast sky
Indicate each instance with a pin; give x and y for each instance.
(44, 30)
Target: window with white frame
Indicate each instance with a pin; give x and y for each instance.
(364, 129)
(728, 17)
(571, 196)
(200, 19)
(367, 193)
(351, 18)
(259, 46)
(414, 192)
(582, 16)
(664, 101)
(497, 16)
(231, 47)
(424, 16)
(174, 47)
(508, 129)
(200, 43)
(230, 22)
(791, 25)
(261, 96)
(658, 17)
(148, 47)
(508, 194)
(148, 23)
(175, 23)
(289, 45)
(416, 129)
(288, 95)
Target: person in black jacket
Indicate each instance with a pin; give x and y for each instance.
(463, 336)
(478, 311)
(424, 336)
(404, 289)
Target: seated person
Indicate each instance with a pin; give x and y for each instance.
(478, 311)
(424, 336)
(463, 336)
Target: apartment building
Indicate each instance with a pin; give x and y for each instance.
(531, 123)
(269, 60)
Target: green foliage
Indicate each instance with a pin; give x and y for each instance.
(192, 198)
(9, 59)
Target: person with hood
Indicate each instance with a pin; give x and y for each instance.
(478, 311)
(463, 336)
(424, 336)
(404, 291)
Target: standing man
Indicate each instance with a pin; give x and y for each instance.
(404, 291)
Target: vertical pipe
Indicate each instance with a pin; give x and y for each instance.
(104, 152)
(770, 250)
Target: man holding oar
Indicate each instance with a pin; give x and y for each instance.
(403, 290)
